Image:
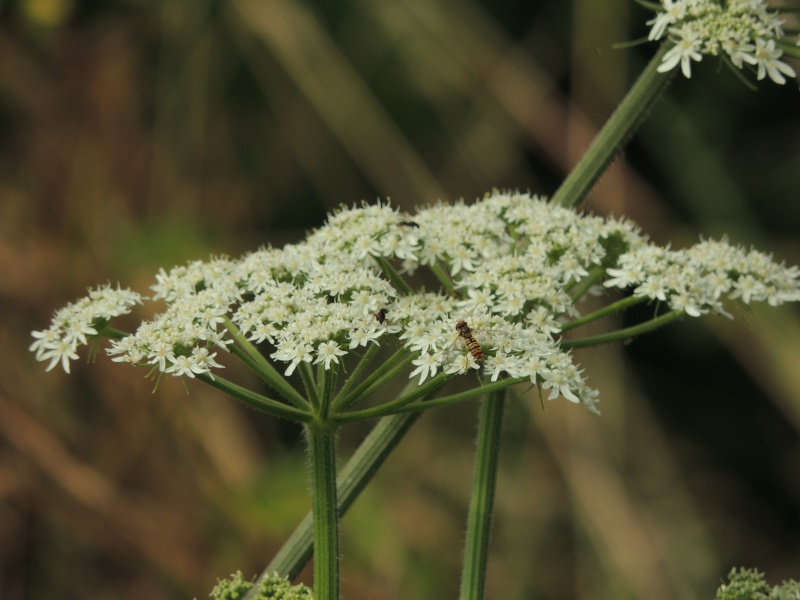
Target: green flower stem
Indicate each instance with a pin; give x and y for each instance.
(249, 362)
(255, 400)
(603, 312)
(479, 522)
(321, 439)
(395, 277)
(444, 278)
(354, 477)
(623, 334)
(405, 407)
(326, 378)
(788, 47)
(579, 290)
(654, 6)
(263, 368)
(379, 382)
(310, 383)
(618, 129)
(112, 333)
(387, 371)
(365, 361)
(425, 390)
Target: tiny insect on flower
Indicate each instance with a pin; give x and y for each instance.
(380, 316)
(472, 345)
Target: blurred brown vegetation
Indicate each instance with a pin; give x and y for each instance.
(136, 134)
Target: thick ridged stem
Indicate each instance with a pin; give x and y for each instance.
(322, 464)
(479, 522)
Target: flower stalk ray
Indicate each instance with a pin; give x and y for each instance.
(256, 400)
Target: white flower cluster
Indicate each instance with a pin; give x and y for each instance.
(508, 265)
(75, 324)
(293, 298)
(743, 31)
(698, 280)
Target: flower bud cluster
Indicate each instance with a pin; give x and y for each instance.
(741, 31)
(273, 587)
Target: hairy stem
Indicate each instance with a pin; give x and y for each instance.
(254, 399)
(354, 477)
(322, 466)
(479, 522)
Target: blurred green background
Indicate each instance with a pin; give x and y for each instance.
(136, 134)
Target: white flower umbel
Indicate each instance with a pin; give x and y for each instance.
(79, 322)
(513, 269)
(698, 280)
(744, 32)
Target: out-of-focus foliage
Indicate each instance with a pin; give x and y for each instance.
(139, 133)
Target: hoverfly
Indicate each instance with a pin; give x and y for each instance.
(472, 345)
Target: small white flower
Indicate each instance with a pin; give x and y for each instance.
(536, 367)
(328, 352)
(185, 365)
(571, 268)
(61, 351)
(45, 340)
(739, 52)
(127, 350)
(767, 56)
(686, 49)
(748, 288)
(673, 11)
(543, 320)
(558, 382)
(161, 351)
(653, 288)
(201, 356)
(623, 277)
(361, 337)
(502, 363)
(425, 341)
(684, 303)
(461, 364)
(427, 365)
(477, 299)
(462, 259)
(292, 353)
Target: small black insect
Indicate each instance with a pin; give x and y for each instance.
(380, 316)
